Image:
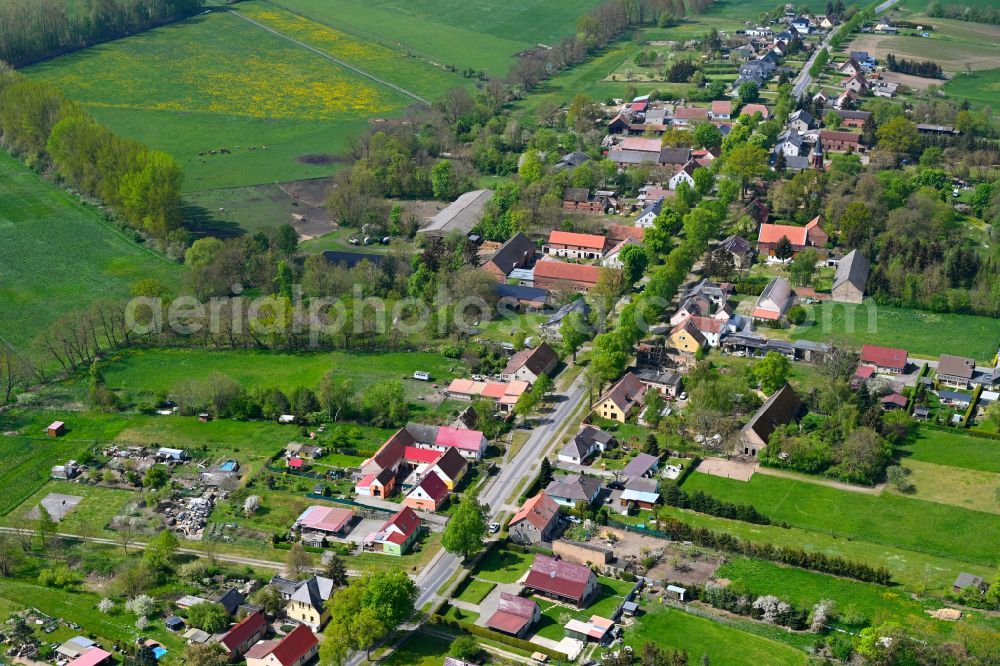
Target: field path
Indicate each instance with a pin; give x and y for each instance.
(839, 485)
(342, 63)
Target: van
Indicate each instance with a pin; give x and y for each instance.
(422, 376)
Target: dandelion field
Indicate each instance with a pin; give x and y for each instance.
(217, 81)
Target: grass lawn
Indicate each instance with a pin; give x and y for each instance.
(953, 448)
(857, 604)
(725, 645)
(341, 460)
(90, 516)
(95, 260)
(153, 371)
(475, 591)
(503, 566)
(420, 650)
(217, 81)
(922, 333)
(890, 519)
(967, 488)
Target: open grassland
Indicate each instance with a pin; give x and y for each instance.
(724, 645)
(218, 81)
(922, 333)
(913, 524)
(25, 465)
(159, 370)
(856, 604)
(914, 570)
(953, 448)
(57, 256)
(967, 488)
(981, 88)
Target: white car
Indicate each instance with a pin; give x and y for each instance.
(684, 395)
(494, 528)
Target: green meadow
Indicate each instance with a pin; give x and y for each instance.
(57, 255)
(903, 522)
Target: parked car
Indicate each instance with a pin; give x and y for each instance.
(494, 527)
(422, 376)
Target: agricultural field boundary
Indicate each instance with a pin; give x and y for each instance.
(342, 63)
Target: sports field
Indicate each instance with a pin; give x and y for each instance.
(889, 519)
(57, 255)
(280, 110)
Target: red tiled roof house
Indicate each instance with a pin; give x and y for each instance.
(514, 615)
(811, 235)
(885, 360)
(240, 638)
(575, 246)
(537, 520)
(296, 648)
(561, 580)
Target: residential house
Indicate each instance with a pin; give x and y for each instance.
(304, 451)
(689, 115)
(884, 360)
(244, 635)
(886, 27)
(517, 252)
(717, 293)
(667, 382)
(694, 306)
(811, 235)
(623, 399)
(529, 364)
(827, 23)
(850, 67)
(841, 142)
(461, 215)
(537, 520)
(296, 648)
(514, 615)
(778, 410)
(955, 371)
(790, 144)
(759, 32)
(710, 328)
(740, 249)
(852, 119)
(649, 214)
(751, 109)
(684, 174)
(613, 258)
(643, 465)
(801, 25)
(686, 338)
(450, 467)
(568, 490)
(552, 325)
(308, 602)
(397, 535)
(231, 600)
(326, 520)
(721, 110)
(562, 276)
(851, 278)
(620, 232)
(855, 84)
(588, 442)
(774, 300)
(470, 443)
(561, 580)
(893, 401)
(429, 493)
(379, 484)
(639, 493)
(801, 121)
(845, 100)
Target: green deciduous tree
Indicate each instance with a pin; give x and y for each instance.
(209, 617)
(772, 372)
(466, 531)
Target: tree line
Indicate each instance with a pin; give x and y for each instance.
(960, 12)
(927, 68)
(33, 30)
(42, 127)
(814, 561)
(702, 502)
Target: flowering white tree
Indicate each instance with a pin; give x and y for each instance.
(821, 613)
(105, 605)
(141, 622)
(772, 609)
(250, 505)
(141, 605)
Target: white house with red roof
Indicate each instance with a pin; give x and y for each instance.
(684, 174)
(294, 649)
(721, 110)
(571, 245)
(397, 535)
(884, 360)
(429, 493)
(774, 301)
